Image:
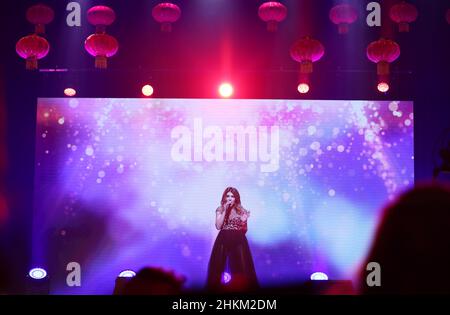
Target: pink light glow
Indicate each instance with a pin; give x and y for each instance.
(70, 92)
(303, 88)
(225, 90)
(383, 87)
(147, 90)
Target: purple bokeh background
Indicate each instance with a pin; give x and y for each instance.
(109, 195)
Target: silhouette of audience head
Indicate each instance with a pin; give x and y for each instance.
(154, 281)
(239, 283)
(412, 244)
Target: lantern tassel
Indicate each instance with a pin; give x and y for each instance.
(39, 29)
(343, 28)
(100, 29)
(166, 27)
(272, 26)
(31, 63)
(101, 62)
(403, 27)
(383, 68)
(306, 67)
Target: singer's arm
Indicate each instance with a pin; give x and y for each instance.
(220, 216)
(245, 215)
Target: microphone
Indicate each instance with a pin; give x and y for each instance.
(227, 208)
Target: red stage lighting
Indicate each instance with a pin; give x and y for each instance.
(70, 92)
(303, 88)
(147, 90)
(303, 83)
(226, 90)
(383, 87)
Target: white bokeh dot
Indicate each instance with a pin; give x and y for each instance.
(315, 145)
(393, 106)
(73, 103)
(369, 136)
(186, 252)
(89, 150)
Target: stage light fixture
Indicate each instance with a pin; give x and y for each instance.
(303, 83)
(121, 281)
(37, 273)
(303, 88)
(70, 92)
(147, 90)
(319, 276)
(127, 274)
(37, 282)
(226, 90)
(226, 277)
(383, 87)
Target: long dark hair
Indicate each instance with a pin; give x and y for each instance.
(237, 196)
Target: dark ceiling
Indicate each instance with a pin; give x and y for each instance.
(225, 39)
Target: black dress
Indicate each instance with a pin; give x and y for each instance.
(231, 254)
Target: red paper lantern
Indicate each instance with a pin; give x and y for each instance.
(40, 15)
(306, 51)
(101, 16)
(447, 16)
(166, 14)
(272, 12)
(403, 13)
(343, 15)
(383, 52)
(101, 46)
(32, 48)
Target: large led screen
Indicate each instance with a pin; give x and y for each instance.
(127, 183)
